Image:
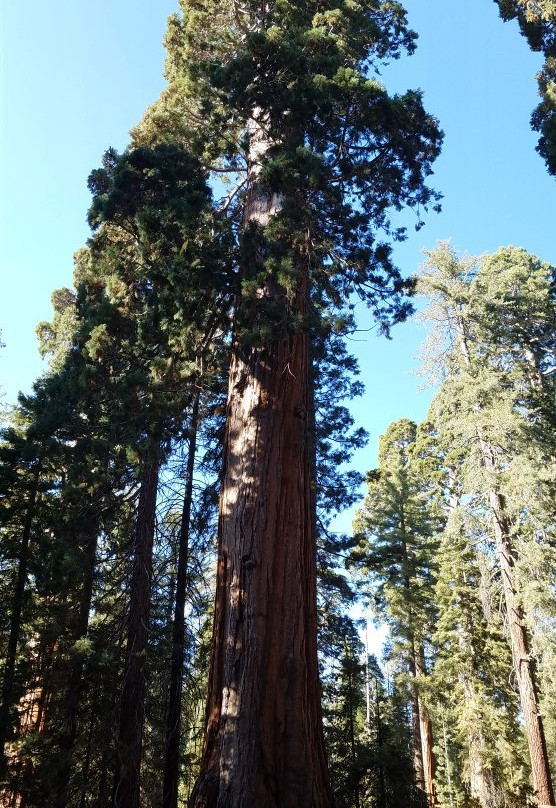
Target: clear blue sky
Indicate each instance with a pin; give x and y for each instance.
(77, 75)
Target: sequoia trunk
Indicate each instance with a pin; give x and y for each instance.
(264, 746)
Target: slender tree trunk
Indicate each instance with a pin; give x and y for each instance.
(172, 759)
(379, 741)
(88, 755)
(447, 763)
(132, 709)
(352, 727)
(417, 746)
(523, 663)
(15, 622)
(414, 663)
(481, 780)
(429, 761)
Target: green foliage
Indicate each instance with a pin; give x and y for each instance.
(340, 152)
(472, 671)
(494, 348)
(396, 530)
(537, 21)
(366, 729)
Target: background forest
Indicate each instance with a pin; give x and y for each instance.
(110, 469)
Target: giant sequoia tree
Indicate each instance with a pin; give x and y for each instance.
(283, 98)
(289, 104)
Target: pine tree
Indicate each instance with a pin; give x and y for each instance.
(471, 672)
(396, 530)
(151, 245)
(485, 412)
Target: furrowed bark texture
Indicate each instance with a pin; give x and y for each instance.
(264, 745)
(132, 709)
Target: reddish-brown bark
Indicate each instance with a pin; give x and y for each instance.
(264, 746)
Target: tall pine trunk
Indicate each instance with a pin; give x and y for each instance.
(132, 707)
(421, 727)
(416, 744)
(264, 746)
(172, 757)
(524, 665)
(15, 621)
(425, 724)
(481, 779)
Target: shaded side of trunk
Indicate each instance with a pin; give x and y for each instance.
(172, 757)
(264, 745)
(132, 708)
(15, 621)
